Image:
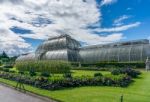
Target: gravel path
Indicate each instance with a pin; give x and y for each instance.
(10, 95)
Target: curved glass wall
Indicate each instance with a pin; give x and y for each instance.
(125, 53)
(65, 48)
(58, 48)
(56, 55)
(30, 56)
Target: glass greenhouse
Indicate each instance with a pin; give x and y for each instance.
(66, 48)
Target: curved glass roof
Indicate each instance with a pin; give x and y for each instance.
(125, 53)
(30, 56)
(66, 48)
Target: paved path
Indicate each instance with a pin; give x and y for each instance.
(11, 95)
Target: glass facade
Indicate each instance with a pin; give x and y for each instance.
(58, 48)
(65, 48)
(25, 57)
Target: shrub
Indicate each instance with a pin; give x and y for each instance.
(97, 74)
(50, 66)
(91, 68)
(121, 64)
(60, 83)
(128, 71)
(32, 73)
(67, 75)
(21, 72)
(5, 70)
(45, 74)
(116, 72)
(1, 68)
(12, 71)
(8, 66)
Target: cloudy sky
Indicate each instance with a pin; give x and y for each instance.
(24, 24)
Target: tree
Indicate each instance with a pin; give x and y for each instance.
(4, 55)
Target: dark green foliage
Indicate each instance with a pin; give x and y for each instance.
(91, 68)
(21, 72)
(8, 66)
(121, 64)
(12, 71)
(44, 66)
(32, 73)
(61, 83)
(1, 68)
(106, 64)
(67, 75)
(97, 75)
(116, 72)
(4, 55)
(0, 62)
(45, 74)
(7, 61)
(128, 71)
(5, 69)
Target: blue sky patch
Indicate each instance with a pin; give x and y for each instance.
(19, 30)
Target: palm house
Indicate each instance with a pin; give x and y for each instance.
(66, 48)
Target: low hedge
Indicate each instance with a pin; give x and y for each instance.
(128, 71)
(117, 64)
(93, 68)
(50, 66)
(65, 82)
(122, 64)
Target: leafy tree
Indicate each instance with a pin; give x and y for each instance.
(4, 55)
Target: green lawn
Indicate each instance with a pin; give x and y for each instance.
(139, 91)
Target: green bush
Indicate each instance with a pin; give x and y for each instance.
(45, 74)
(61, 83)
(97, 75)
(116, 64)
(115, 72)
(67, 75)
(50, 66)
(32, 73)
(5, 69)
(12, 71)
(128, 71)
(121, 64)
(91, 68)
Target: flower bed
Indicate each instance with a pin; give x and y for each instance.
(128, 71)
(121, 80)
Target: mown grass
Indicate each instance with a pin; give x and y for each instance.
(139, 91)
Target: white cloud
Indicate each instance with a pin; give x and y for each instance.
(119, 21)
(107, 2)
(119, 28)
(12, 43)
(48, 18)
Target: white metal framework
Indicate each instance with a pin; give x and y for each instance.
(66, 48)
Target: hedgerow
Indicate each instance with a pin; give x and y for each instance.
(50, 66)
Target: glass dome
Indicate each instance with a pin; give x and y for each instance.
(25, 57)
(58, 48)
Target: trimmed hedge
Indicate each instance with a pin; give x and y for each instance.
(128, 71)
(61, 83)
(44, 66)
(92, 68)
(116, 64)
(122, 64)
